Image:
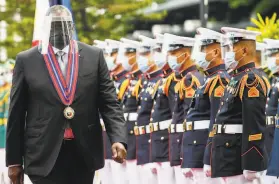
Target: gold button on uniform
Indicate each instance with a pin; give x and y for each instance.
(149, 141)
(227, 144)
(195, 142)
(162, 138)
(131, 132)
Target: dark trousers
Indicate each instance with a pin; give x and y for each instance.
(69, 168)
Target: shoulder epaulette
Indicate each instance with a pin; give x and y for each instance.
(167, 84)
(137, 87)
(252, 86)
(208, 84)
(187, 91)
(123, 88)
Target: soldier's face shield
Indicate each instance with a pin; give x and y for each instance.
(272, 56)
(205, 50)
(144, 58)
(126, 57)
(58, 28)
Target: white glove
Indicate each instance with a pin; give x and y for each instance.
(207, 170)
(188, 173)
(251, 175)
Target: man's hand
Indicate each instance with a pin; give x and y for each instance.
(16, 174)
(119, 152)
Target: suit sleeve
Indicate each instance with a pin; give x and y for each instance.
(254, 156)
(16, 118)
(109, 106)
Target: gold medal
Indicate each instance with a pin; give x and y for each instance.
(69, 113)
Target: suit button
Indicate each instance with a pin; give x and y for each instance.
(162, 138)
(131, 132)
(177, 140)
(149, 141)
(195, 142)
(227, 144)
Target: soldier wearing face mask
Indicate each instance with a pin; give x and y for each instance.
(200, 117)
(238, 150)
(161, 115)
(127, 57)
(272, 53)
(186, 78)
(146, 98)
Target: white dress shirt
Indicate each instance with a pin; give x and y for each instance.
(64, 61)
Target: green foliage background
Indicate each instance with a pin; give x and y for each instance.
(90, 24)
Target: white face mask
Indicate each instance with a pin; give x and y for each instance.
(160, 59)
(271, 64)
(143, 64)
(110, 63)
(201, 60)
(124, 60)
(230, 61)
(173, 62)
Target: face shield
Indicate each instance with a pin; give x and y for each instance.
(126, 57)
(158, 56)
(110, 57)
(228, 52)
(272, 56)
(58, 29)
(205, 50)
(144, 58)
(174, 55)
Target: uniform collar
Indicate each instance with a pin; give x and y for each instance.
(243, 68)
(167, 72)
(214, 69)
(158, 73)
(136, 74)
(65, 50)
(183, 73)
(119, 75)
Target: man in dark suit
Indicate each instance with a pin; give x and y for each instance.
(58, 90)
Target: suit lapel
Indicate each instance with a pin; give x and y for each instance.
(80, 63)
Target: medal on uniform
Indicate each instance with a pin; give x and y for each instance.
(65, 88)
(69, 112)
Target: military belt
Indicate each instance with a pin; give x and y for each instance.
(141, 130)
(196, 125)
(227, 129)
(132, 116)
(161, 125)
(270, 120)
(176, 128)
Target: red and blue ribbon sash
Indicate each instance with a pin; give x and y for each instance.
(65, 88)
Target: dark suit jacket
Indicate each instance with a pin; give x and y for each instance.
(36, 122)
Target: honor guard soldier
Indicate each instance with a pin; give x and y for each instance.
(161, 115)
(260, 60)
(127, 56)
(208, 56)
(272, 52)
(119, 76)
(145, 103)
(238, 151)
(105, 173)
(272, 95)
(188, 79)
